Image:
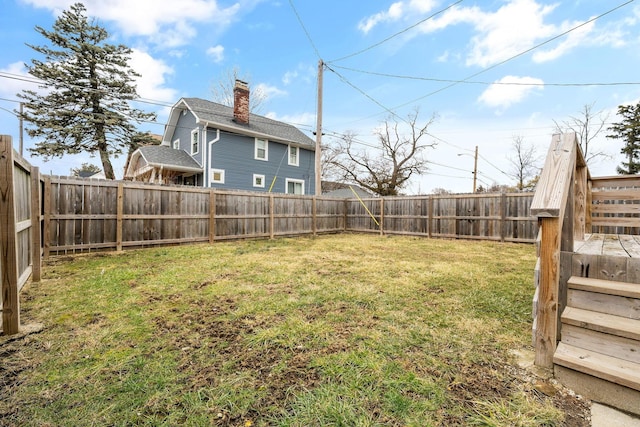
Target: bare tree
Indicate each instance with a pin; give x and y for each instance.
(386, 168)
(524, 164)
(222, 90)
(587, 126)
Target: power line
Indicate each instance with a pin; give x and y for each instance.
(431, 79)
(304, 28)
(398, 33)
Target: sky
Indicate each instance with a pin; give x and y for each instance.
(487, 72)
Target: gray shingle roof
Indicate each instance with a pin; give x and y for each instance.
(162, 155)
(218, 115)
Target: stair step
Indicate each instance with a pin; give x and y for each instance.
(608, 368)
(602, 322)
(622, 289)
(610, 345)
(604, 303)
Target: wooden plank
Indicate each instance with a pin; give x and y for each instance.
(616, 181)
(602, 322)
(630, 245)
(8, 250)
(599, 365)
(623, 289)
(593, 245)
(553, 187)
(611, 345)
(604, 303)
(619, 194)
(611, 246)
(615, 221)
(547, 317)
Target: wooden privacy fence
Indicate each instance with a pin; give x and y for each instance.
(85, 215)
(19, 230)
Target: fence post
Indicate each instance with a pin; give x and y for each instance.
(119, 214)
(381, 216)
(46, 227)
(212, 215)
(429, 216)
(36, 240)
(8, 254)
(271, 216)
(314, 212)
(503, 216)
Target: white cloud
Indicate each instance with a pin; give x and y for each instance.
(303, 71)
(216, 52)
(572, 40)
(166, 23)
(509, 90)
(153, 73)
(512, 29)
(269, 91)
(393, 13)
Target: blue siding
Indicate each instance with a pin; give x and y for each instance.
(187, 123)
(235, 155)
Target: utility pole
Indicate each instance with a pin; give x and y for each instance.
(318, 165)
(475, 169)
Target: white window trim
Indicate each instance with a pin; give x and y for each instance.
(266, 149)
(297, 162)
(213, 172)
(288, 180)
(197, 132)
(176, 144)
(256, 175)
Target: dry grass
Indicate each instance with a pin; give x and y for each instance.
(345, 330)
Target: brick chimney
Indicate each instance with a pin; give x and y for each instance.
(241, 102)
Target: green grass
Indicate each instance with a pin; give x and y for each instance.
(345, 330)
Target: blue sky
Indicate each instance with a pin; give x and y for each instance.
(383, 56)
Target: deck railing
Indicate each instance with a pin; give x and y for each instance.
(569, 203)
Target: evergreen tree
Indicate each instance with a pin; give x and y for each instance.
(629, 131)
(86, 90)
(85, 168)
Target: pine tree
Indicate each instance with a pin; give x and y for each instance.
(629, 131)
(83, 105)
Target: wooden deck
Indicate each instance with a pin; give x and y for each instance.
(620, 245)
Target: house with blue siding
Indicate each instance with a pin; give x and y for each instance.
(207, 144)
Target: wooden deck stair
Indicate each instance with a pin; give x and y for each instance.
(599, 352)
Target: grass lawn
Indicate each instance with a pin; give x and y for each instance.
(345, 330)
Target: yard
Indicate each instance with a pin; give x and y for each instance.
(341, 330)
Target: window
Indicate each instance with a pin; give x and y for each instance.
(295, 186)
(217, 176)
(176, 144)
(262, 149)
(258, 180)
(195, 141)
(293, 156)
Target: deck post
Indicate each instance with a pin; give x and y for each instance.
(547, 316)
